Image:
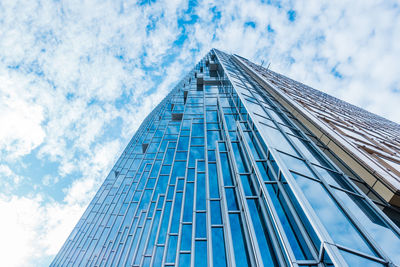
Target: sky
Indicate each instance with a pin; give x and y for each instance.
(78, 77)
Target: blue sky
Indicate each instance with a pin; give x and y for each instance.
(78, 77)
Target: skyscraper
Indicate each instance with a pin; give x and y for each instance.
(240, 166)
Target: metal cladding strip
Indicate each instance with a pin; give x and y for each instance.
(323, 235)
(377, 171)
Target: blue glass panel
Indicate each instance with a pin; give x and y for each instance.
(201, 225)
(212, 126)
(146, 261)
(172, 129)
(211, 155)
(222, 147)
(197, 130)
(178, 171)
(142, 242)
(169, 156)
(212, 137)
(183, 143)
(279, 118)
(264, 242)
(162, 184)
(226, 170)
(249, 190)
(200, 253)
(196, 152)
(158, 256)
(153, 233)
(255, 150)
(201, 166)
(333, 178)
(276, 139)
(181, 156)
(165, 169)
(186, 124)
(184, 259)
(230, 122)
(254, 106)
(240, 161)
(181, 183)
(188, 210)
(171, 249)
(263, 167)
(201, 192)
(336, 223)
(197, 141)
(296, 165)
(164, 223)
(355, 260)
(185, 132)
(308, 151)
(304, 219)
(231, 199)
(215, 212)
(160, 202)
(213, 180)
(186, 241)
(150, 183)
(176, 213)
(171, 190)
(377, 228)
(191, 174)
(223, 101)
(172, 144)
(211, 116)
(238, 241)
(218, 247)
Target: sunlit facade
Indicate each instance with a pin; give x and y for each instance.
(224, 172)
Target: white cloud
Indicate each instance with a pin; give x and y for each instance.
(9, 180)
(31, 229)
(18, 117)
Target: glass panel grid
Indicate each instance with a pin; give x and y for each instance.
(219, 172)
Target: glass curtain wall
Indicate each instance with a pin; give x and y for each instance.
(219, 175)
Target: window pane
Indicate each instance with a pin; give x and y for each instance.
(264, 243)
(238, 240)
(292, 230)
(213, 180)
(218, 247)
(296, 165)
(186, 241)
(226, 170)
(355, 260)
(215, 212)
(184, 260)
(276, 139)
(201, 253)
(231, 199)
(383, 235)
(201, 225)
(171, 252)
(336, 223)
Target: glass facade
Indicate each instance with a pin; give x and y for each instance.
(221, 174)
(364, 145)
